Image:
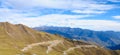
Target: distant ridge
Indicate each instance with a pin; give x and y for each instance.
(102, 38)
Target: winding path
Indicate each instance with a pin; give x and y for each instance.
(52, 44)
(79, 46)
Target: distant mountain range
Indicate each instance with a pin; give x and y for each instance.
(102, 38)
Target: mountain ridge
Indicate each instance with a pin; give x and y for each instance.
(103, 38)
(22, 40)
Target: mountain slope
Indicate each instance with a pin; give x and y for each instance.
(103, 38)
(22, 40)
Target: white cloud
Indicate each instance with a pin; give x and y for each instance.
(88, 11)
(68, 21)
(76, 6)
(51, 19)
(96, 24)
(116, 17)
(58, 4)
(18, 11)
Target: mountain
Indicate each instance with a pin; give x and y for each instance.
(18, 39)
(102, 38)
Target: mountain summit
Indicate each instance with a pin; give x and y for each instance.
(19, 39)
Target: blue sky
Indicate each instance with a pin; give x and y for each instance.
(100, 15)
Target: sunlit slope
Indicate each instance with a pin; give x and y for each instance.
(22, 40)
(15, 37)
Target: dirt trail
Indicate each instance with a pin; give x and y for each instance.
(52, 44)
(79, 46)
(55, 43)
